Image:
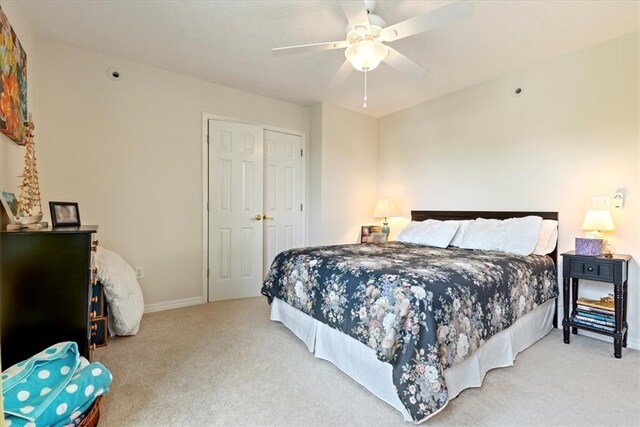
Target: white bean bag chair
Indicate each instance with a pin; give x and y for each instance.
(122, 291)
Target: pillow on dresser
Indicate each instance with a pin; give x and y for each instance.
(429, 233)
(548, 237)
(514, 235)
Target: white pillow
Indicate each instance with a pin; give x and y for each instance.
(462, 230)
(481, 234)
(429, 233)
(514, 235)
(548, 237)
(409, 232)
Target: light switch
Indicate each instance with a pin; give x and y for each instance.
(618, 200)
(600, 202)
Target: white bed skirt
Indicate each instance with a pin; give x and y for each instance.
(360, 362)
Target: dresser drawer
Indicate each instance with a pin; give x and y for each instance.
(596, 270)
(99, 332)
(98, 304)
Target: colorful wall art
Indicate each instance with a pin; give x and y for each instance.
(13, 83)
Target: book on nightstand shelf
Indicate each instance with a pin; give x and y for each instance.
(596, 313)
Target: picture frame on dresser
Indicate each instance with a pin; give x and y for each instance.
(371, 234)
(10, 204)
(64, 214)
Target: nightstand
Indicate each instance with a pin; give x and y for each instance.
(609, 270)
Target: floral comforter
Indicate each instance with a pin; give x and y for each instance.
(421, 309)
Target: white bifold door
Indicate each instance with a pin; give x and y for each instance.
(255, 204)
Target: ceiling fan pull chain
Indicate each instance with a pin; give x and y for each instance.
(365, 89)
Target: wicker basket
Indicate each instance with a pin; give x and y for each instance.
(92, 416)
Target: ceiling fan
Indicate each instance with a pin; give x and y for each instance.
(367, 34)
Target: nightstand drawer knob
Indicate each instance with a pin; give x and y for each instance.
(589, 269)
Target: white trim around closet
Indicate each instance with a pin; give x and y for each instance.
(205, 187)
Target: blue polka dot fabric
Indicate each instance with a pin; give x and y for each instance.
(52, 388)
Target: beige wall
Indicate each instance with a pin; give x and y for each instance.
(314, 174)
(343, 174)
(573, 133)
(130, 152)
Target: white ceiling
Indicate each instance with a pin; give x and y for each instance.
(229, 42)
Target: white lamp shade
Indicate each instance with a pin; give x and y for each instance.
(385, 208)
(598, 221)
(366, 55)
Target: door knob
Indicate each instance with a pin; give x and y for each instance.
(267, 217)
(258, 217)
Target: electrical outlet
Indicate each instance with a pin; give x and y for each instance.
(618, 200)
(139, 273)
(600, 202)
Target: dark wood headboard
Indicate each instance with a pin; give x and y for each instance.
(462, 215)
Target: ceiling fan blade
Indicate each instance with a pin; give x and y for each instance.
(440, 17)
(315, 47)
(356, 13)
(405, 65)
(342, 75)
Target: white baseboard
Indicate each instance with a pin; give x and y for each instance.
(170, 305)
(631, 342)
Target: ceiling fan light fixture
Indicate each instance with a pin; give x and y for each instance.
(366, 55)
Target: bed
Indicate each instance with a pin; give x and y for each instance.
(415, 325)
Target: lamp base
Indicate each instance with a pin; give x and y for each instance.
(595, 234)
(385, 228)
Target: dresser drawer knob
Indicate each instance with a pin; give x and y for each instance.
(95, 270)
(590, 269)
(94, 246)
(94, 281)
(94, 299)
(93, 347)
(93, 314)
(94, 327)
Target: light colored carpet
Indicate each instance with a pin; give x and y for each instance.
(226, 363)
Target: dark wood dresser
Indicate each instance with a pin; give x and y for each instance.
(46, 290)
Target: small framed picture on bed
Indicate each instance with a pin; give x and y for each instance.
(372, 234)
(64, 214)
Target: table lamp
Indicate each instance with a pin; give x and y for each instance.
(385, 208)
(597, 221)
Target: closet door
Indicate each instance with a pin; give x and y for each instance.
(236, 202)
(283, 194)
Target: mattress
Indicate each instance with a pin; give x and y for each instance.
(420, 309)
(361, 363)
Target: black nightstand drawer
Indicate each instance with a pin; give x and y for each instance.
(592, 269)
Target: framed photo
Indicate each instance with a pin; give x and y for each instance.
(64, 214)
(10, 204)
(372, 234)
